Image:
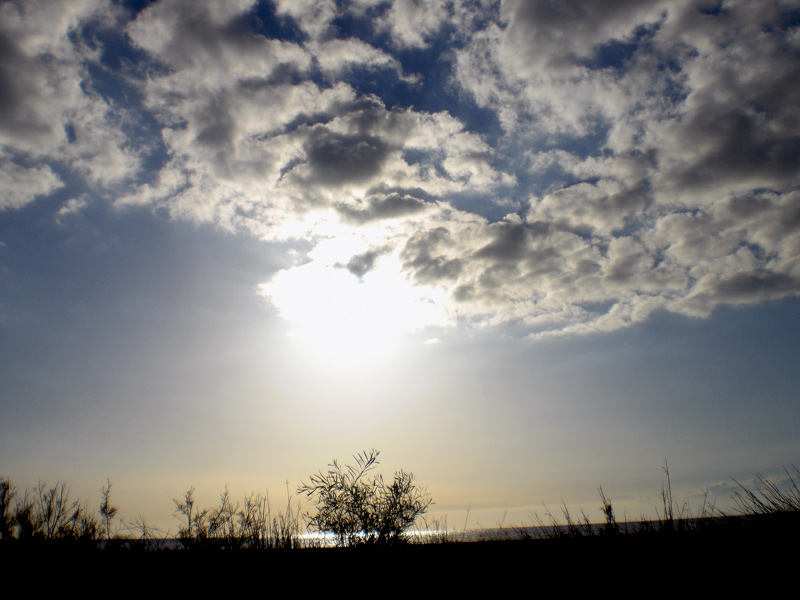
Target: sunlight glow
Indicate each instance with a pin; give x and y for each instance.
(342, 318)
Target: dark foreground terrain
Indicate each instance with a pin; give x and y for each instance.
(734, 556)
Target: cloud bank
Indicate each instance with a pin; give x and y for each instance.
(562, 166)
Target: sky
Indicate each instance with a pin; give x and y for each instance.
(524, 249)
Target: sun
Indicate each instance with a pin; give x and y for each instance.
(339, 317)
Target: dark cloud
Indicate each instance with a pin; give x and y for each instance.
(13, 81)
(216, 134)
(31, 100)
(200, 34)
(749, 286)
(558, 32)
(336, 159)
(749, 136)
(424, 256)
(627, 268)
(361, 264)
(767, 217)
(738, 288)
(218, 127)
(379, 207)
(739, 157)
(510, 243)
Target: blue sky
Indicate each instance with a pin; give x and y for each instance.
(523, 248)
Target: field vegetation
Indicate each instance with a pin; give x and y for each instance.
(356, 507)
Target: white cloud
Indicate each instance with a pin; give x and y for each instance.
(22, 185)
(695, 114)
(51, 113)
(413, 22)
(650, 148)
(314, 16)
(72, 206)
(336, 57)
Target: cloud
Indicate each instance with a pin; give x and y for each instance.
(318, 145)
(412, 23)
(361, 264)
(214, 36)
(601, 207)
(693, 112)
(409, 23)
(335, 159)
(21, 186)
(649, 150)
(336, 57)
(313, 16)
(557, 34)
(425, 256)
(382, 206)
(39, 71)
(72, 206)
(51, 112)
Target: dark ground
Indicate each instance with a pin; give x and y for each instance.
(745, 558)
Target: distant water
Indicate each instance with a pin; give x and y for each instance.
(423, 536)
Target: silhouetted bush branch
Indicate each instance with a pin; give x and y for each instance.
(358, 509)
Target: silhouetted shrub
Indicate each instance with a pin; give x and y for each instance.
(358, 509)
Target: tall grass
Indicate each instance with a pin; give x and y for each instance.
(227, 526)
(768, 497)
(48, 514)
